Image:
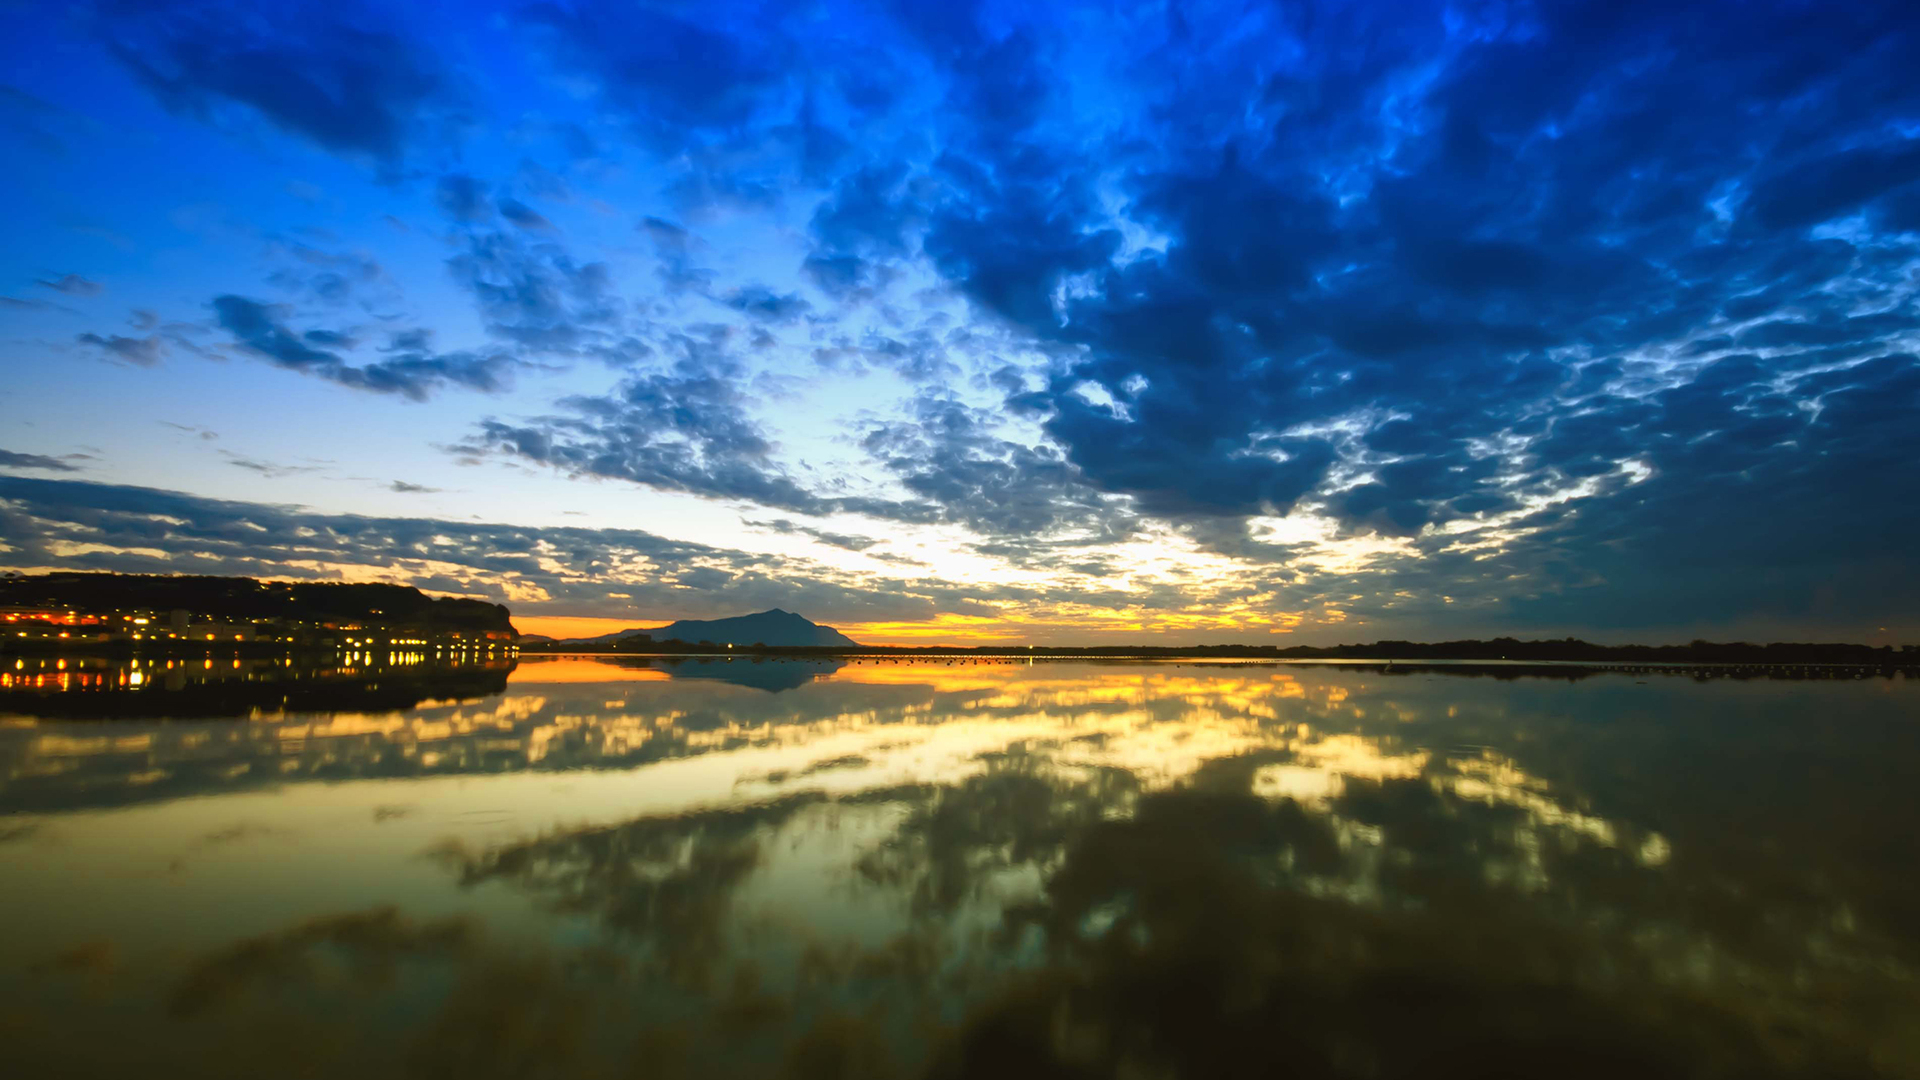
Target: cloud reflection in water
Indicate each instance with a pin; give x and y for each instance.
(1095, 870)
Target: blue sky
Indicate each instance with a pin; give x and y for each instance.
(1259, 322)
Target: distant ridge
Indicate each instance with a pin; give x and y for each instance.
(597, 639)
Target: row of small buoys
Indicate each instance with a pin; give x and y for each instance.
(982, 661)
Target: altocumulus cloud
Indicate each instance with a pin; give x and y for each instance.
(1585, 257)
(407, 370)
(336, 74)
(1582, 314)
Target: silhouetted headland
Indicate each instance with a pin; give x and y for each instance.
(158, 614)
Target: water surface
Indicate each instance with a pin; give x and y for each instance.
(583, 868)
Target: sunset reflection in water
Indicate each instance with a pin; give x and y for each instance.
(877, 868)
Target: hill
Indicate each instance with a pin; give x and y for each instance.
(774, 629)
(242, 599)
(781, 629)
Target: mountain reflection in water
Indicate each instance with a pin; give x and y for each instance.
(787, 868)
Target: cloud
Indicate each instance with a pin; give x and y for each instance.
(524, 216)
(256, 328)
(686, 428)
(72, 285)
(1827, 186)
(674, 246)
(13, 460)
(37, 123)
(404, 488)
(408, 371)
(142, 352)
(327, 72)
(1455, 291)
(268, 469)
(950, 455)
(760, 302)
(827, 537)
(329, 277)
(669, 74)
(533, 295)
(462, 198)
(862, 231)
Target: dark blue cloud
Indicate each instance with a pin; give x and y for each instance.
(671, 74)
(763, 303)
(686, 428)
(533, 294)
(1826, 187)
(328, 71)
(952, 456)
(12, 459)
(524, 216)
(256, 328)
(72, 285)
(538, 296)
(862, 227)
(408, 368)
(462, 198)
(144, 352)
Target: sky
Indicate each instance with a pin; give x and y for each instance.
(1281, 323)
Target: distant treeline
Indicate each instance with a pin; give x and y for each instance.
(1564, 650)
(242, 599)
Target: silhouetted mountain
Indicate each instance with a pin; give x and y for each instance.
(782, 629)
(240, 598)
(774, 629)
(600, 639)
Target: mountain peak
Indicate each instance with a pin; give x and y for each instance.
(774, 626)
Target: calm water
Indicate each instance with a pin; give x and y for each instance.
(583, 868)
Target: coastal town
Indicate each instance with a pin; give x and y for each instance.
(60, 628)
(154, 615)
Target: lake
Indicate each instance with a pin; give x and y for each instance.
(580, 867)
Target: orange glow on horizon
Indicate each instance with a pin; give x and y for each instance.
(1065, 625)
(577, 626)
(1069, 625)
